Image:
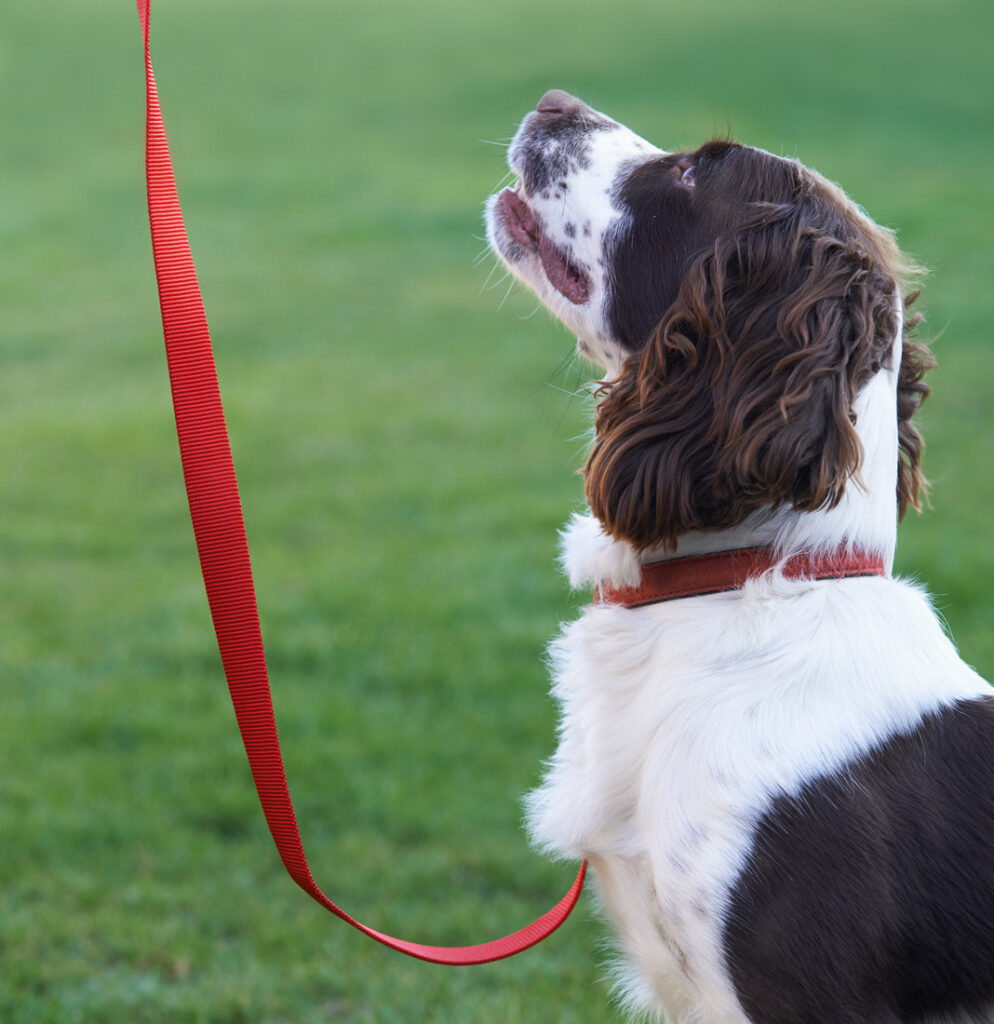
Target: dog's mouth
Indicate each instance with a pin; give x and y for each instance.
(524, 227)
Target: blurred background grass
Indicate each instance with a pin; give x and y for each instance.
(406, 449)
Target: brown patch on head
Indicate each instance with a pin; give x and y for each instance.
(779, 302)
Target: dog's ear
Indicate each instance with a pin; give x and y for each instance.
(916, 361)
(742, 398)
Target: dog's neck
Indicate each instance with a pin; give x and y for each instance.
(865, 519)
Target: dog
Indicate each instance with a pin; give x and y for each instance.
(785, 789)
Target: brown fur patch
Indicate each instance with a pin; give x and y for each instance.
(742, 396)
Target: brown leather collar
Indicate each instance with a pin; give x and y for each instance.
(729, 570)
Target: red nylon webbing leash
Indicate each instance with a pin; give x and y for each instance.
(215, 508)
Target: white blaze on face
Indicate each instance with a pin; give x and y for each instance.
(555, 229)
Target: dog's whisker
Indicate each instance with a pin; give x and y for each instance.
(486, 284)
(567, 363)
(574, 393)
(509, 177)
(549, 386)
(507, 295)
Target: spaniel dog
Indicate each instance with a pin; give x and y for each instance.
(785, 787)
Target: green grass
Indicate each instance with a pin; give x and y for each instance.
(406, 454)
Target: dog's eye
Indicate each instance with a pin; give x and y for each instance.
(687, 178)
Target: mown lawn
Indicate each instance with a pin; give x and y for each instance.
(407, 443)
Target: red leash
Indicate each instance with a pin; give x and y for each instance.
(215, 508)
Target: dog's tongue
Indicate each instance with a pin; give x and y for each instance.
(524, 229)
(562, 275)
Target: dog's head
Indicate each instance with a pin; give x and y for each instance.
(738, 301)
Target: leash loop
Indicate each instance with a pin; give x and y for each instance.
(216, 512)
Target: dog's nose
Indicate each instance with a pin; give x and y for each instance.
(555, 101)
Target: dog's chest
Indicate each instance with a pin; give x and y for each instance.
(658, 778)
(682, 722)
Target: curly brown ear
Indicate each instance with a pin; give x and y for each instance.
(916, 361)
(742, 398)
